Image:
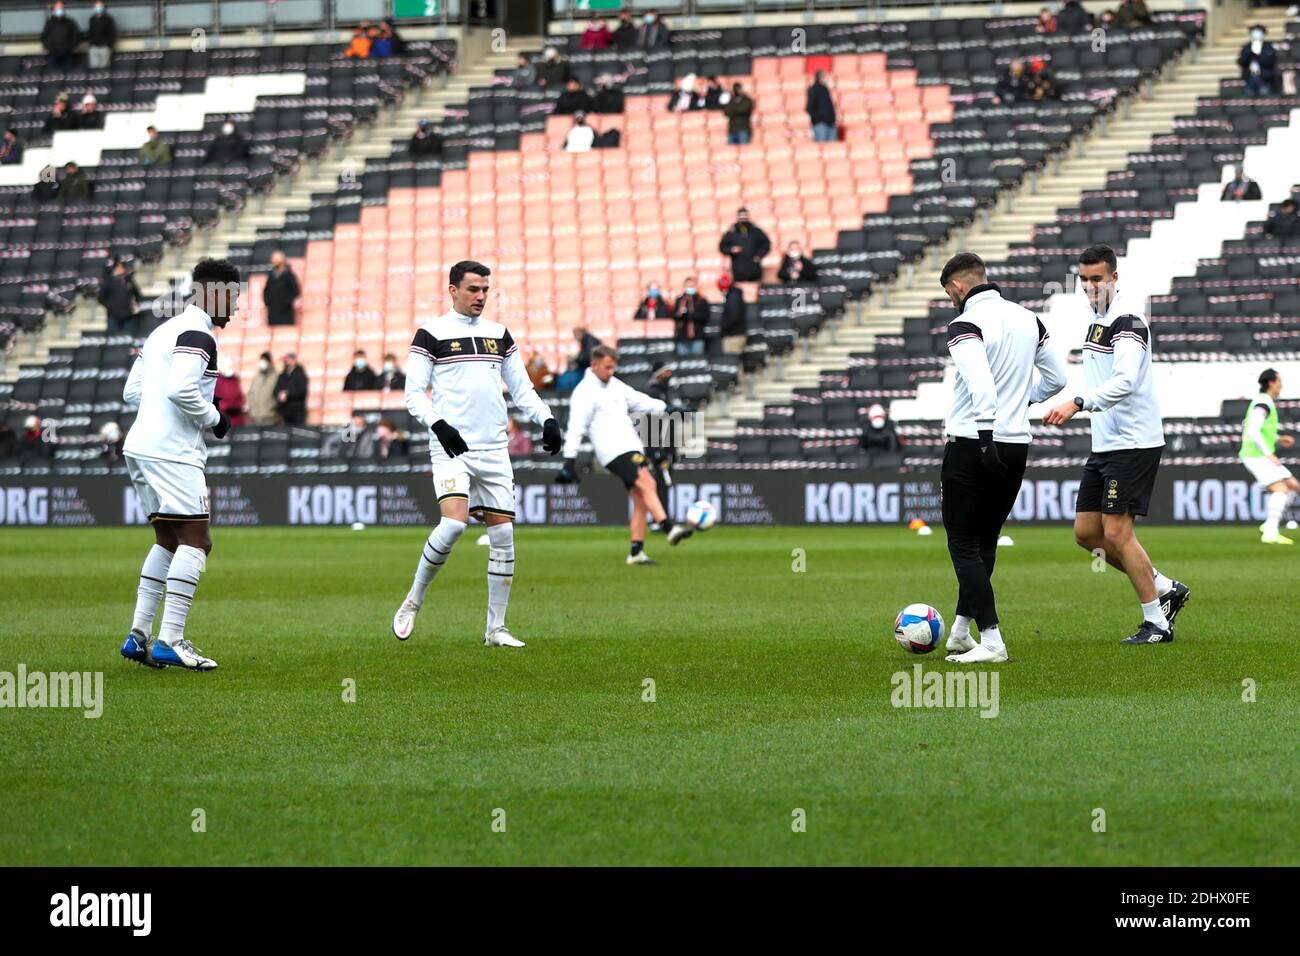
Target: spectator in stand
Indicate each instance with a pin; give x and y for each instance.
(1046, 22)
(879, 433)
(1258, 62)
(381, 43)
(261, 393)
(1073, 18)
(281, 291)
(389, 441)
(425, 142)
(573, 100)
(690, 316)
(357, 440)
(654, 305)
(734, 316)
(1012, 85)
(539, 373)
(625, 33)
(796, 267)
(291, 392)
(359, 48)
(739, 111)
(392, 378)
(686, 97)
(11, 150)
(156, 151)
(553, 70)
(229, 394)
(653, 33)
(111, 439)
(746, 244)
(61, 117)
(586, 342)
(1284, 225)
(47, 185)
(1107, 21)
(32, 445)
(101, 35)
(518, 444)
(715, 97)
(361, 377)
(1040, 86)
(609, 95)
(596, 36)
(580, 137)
(525, 74)
(1132, 14)
(386, 29)
(1239, 187)
(120, 297)
(60, 38)
(74, 186)
(90, 117)
(821, 110)
(228, 148)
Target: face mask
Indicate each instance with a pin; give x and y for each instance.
(654, 290)
(1257, 35)
(794, 253)
(228, 129)
(58, 13)
(649, 19)
(99, 8)
(360, 364)
(690, 290)
(390, 367)
(264, 365)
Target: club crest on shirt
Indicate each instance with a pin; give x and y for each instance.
(491, 346)
(1096, 334)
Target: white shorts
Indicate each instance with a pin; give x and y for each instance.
(169, 489)
(485, 478)
(1265, 471)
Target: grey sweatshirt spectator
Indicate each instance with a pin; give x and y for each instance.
(261, 393)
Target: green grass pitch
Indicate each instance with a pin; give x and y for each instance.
(772, 686)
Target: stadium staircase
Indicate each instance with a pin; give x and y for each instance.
(1094, 154)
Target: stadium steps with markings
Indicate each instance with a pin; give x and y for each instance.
(293, 195)
(1131, 130)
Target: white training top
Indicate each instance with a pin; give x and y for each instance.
(464, 359)
(996, 345)
(604, 409)
(173, 381)
(1121, 392)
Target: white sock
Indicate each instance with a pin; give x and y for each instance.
(960, 627)
(1151, 612)
(153, 582)
(1277, 502)
(182, 580)
(435, 554)
(500, 572)
(1163, 582)
(991, 637)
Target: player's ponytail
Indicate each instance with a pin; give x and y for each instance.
(1267, 378)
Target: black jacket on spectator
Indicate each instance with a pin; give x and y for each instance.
(69, 120)
(656, 307)
(884, 438)
(226, 149)
(360, 380)
(690, 315)
(807, 269)
(573, 101)
(45, 190)
(739, 112)
(1266, 58)
(625, 35)
(426, 146)
(746, 265)
(1250, 190)
(608, 99)
(733, 313)
(552, 74)
(60, 36)
(396, 381)
(294, 410)
(102, 30)
(652, 36)
(91, 120)
(278, 296)
(120, 296)
(588, 343)
(1283, 227)
(821, 108)
(74, 186)
(1073, 18)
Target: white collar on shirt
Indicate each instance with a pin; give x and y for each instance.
(193, 309)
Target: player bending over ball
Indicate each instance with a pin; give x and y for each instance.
(173, 381)
(463, 358)
(603, 404)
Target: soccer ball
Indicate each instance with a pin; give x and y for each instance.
(918, 629)
(701, 516)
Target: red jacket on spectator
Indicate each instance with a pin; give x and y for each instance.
(229, 395)
(597, 36)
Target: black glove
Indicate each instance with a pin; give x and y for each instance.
(222, 428)
(451, 441)
(551, 439)
(567, 475)
(989, 457)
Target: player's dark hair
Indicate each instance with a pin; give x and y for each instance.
(215, 272)
(604, 351)
(465, 267)
(962, 262)
(1099, 253)
(1267, 378)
